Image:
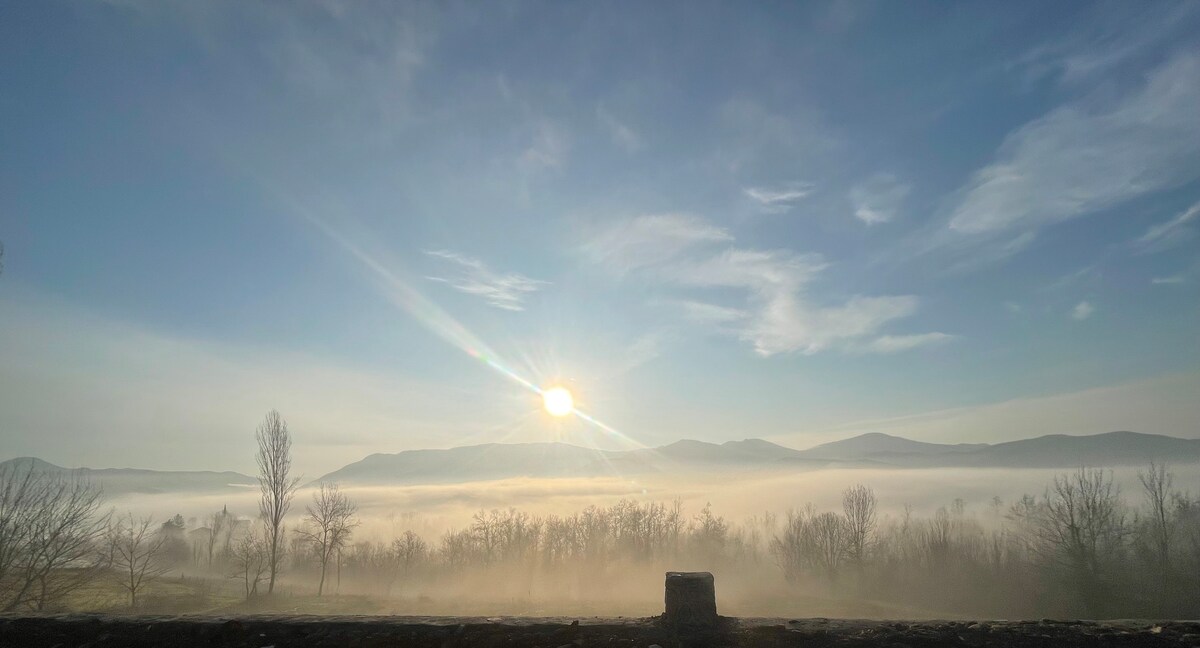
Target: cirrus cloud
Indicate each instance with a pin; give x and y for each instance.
(627, 245)
(878, 198)
(1166, 234)
(774, 311)
(1087, 156)
(778, 200)
(506, 291)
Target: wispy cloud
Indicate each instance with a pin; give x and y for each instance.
(1082, 310)
(1166, 234)
(1116, 34)
(547, 149)
(630, 244)
(997, 251)
(774, 313)
(506, 291)
(778, 199)
(622, 134)
(1173, 279)
(360, 59)
(1087, 275)
(755, 138)
(878, 198)
(1090, 155)
(897, 343)
(712, 314)
(787, 322)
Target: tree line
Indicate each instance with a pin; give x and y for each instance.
(1081, 548)
(56, 535)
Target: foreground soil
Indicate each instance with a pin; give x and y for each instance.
(101, 631)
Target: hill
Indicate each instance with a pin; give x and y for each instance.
(876, 446)
(124, 481)
(550, 460)
(496, 461)
(1110, 449)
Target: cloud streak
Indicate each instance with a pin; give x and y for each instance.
(1087, 156)
(775, 313)
(645, 241)
(878, 198)
(898, 343)
(547, 148)
(1166, 234)
(622, 134)
(778, 200)
(506, 291)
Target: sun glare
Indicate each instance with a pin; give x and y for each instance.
(558, 401)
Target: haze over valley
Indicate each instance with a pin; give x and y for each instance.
(860, 308)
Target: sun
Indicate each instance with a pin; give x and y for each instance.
(558, 401)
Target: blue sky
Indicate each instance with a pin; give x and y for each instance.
(712, 220)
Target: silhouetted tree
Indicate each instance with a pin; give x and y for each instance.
(329, 522)
(709, 535)
(276, 485)
(137, 553)
(858, 505)
(175, 547)
(1156, 486)
(409, 551)
(250, 558)
(1079, 528)
(219, 525)
(829, 534)
(49, 526)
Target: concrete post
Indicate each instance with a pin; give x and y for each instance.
(691, 602)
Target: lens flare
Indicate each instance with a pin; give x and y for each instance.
(443, 325)
(558, 401)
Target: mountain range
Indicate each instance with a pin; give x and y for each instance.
(495, 461)
(122, 481)
(499, 461)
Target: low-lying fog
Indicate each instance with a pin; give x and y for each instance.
(934, 543)
(432, 509)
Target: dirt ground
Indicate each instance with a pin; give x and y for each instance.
(101, 631)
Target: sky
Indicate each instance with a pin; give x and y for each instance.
(794, 221)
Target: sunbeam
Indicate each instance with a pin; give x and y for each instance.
(442, 324)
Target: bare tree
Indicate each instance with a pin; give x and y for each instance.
(219, 524)
(709, 534)
(250, 557)
(858, 505)
(408, 551)
(329, 523)
(1080, 528)
(49, 525)
(137, 554)
(829, 541)
(793, 548)
(1156, 485)
(811, 541)
(277, 486)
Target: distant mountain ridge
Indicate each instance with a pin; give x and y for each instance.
(124, 481)
(494, 461)
(876, 444)
(552, 460)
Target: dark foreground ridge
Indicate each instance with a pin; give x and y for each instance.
(99, 631)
